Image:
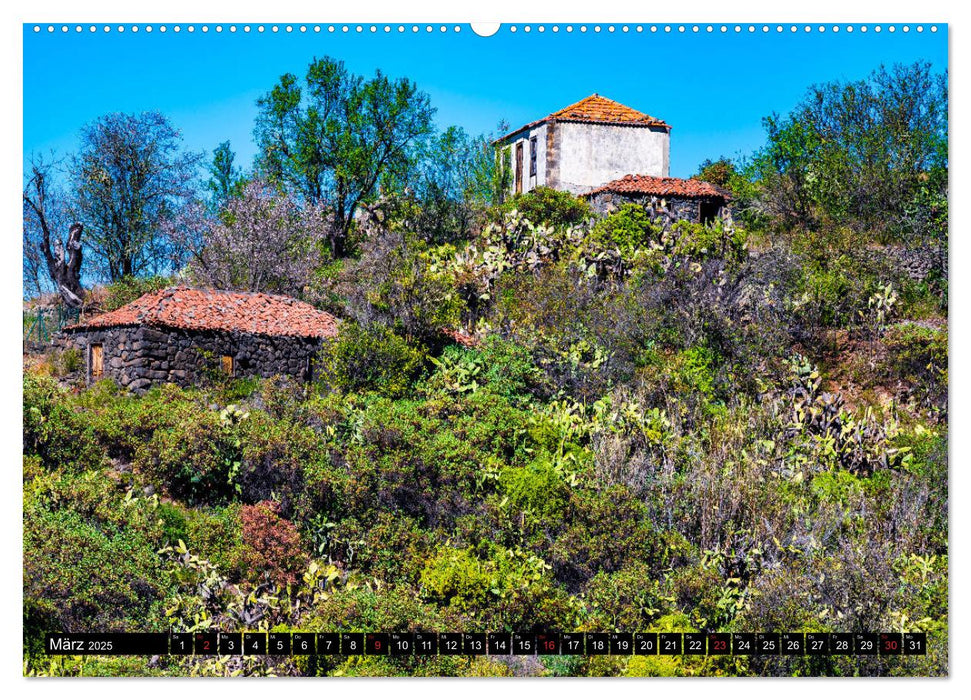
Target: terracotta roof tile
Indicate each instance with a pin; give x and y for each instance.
(596, 109)
(661, 187)
(199, 309)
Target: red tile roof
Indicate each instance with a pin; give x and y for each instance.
(200, 309)
(596, 109)
(661, 187)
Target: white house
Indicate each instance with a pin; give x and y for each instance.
(585, 145)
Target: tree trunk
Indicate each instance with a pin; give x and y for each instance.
(66, 270)
(63, 264)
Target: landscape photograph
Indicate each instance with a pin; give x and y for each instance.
(551, 353)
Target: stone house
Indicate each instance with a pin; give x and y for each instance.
(585, 145)
(689, 200)
(182, 335)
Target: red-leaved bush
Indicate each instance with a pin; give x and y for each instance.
(271, 547)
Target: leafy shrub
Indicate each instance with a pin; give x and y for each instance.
(507, 369)
(423, 458)
(628, 599)
(54, 431)
(496, 588)
(634, 227)
(629, 228)
(215, 534)
(123, 423)
(195, 455)
(831, 292)
(606, 531)
(65, 362)
(544, 205)
(714, 240)
(271, 546)
(89, 576)
(535, 492)
(285, 461)
(174, 525)
(918, 355)
(100, 497)
(369, 358)
(394, 284)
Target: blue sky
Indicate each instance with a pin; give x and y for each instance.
(713, 88)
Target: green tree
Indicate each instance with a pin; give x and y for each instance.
(718, 172)
(338, 138)
(453, 181)
(864, 154)
(225, 179)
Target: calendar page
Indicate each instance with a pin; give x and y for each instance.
(523, 350)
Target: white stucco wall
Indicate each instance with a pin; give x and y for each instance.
(591, 155)
(529, 182)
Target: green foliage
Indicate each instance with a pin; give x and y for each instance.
(196, 455)
(339, 137)
(629, 228)
(53, 432)
(505, 368)
(225, 179)
(88, 576)
(214, 533)
(66, 362)
(628, 599)
(918, 355)
(831, 292)
(396, 286)
(718, 172)
(714, 240)
(548, 207)
(868, 154)
(495, 588)
(536, 493)
(127, 289)
(453, 184)
(128, 176)
(634, 228)
(369, 358)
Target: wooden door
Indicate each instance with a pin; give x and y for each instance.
(97, 362)
(519, 167)
(229, 367)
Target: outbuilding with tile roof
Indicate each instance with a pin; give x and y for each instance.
(584, 145)
(184, 336)
(689, 200)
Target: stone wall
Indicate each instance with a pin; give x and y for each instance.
(136, 357)
(918, 263)
(685, 208)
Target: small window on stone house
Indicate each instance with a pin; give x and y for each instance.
(532, 156)
(97, 362)
(229, 365)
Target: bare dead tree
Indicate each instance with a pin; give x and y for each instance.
(63, 260)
